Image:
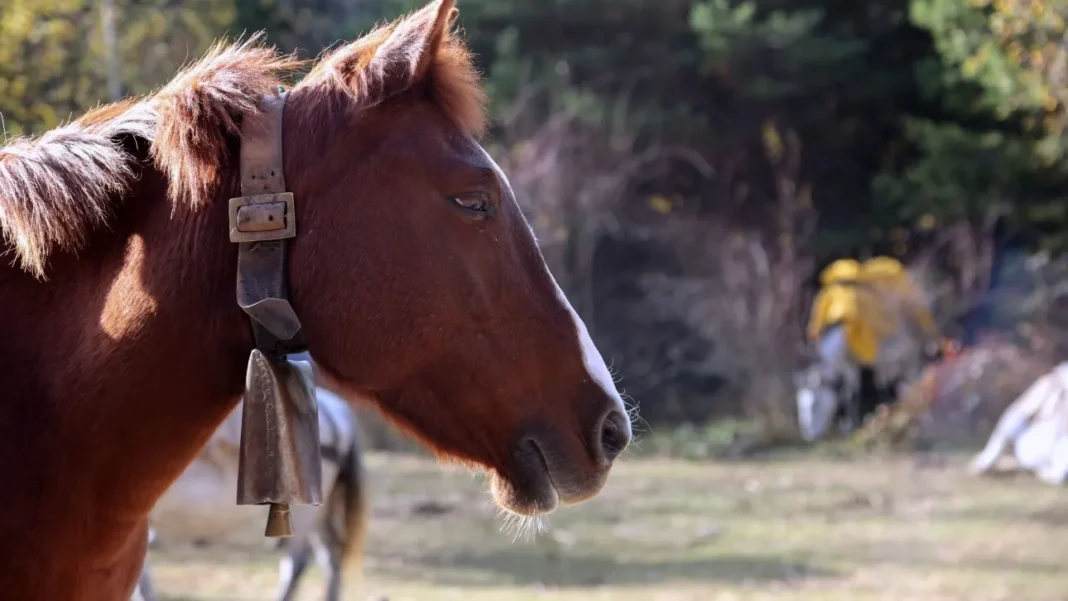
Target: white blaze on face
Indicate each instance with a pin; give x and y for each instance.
(591, 357)
(595, 364)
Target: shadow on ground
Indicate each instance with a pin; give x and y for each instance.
(506, 567)
(1007, 513)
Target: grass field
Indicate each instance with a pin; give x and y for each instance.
(802, 529)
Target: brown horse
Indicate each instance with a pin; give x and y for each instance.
(417, 280)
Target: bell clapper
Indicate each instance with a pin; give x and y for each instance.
(278, 522)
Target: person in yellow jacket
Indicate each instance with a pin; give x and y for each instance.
(867, 318)
(829, 390)
(840, 303)
(900, 295)
(869, 301)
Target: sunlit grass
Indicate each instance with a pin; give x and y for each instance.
(803, 529)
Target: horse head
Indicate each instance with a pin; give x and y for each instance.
(418, 280)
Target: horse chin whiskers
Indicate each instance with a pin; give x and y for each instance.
(526, 527)
(523, 497)
(520, 525)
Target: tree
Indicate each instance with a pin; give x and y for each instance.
(45, 73)
(54, 56)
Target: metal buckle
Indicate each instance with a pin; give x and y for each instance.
(262, 217)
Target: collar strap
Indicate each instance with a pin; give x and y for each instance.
(261, 220)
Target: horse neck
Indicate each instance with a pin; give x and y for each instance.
(133, 353)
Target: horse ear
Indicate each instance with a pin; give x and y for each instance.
(415, 41)
(403, 58)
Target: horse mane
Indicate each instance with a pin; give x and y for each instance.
(57, 187)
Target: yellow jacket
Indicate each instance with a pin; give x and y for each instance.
(863, 299)
(838, 302)
(890, 277)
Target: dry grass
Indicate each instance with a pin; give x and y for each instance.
(803, 529)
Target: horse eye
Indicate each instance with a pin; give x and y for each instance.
(476, 202)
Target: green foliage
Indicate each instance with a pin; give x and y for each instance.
(1012, 48)
(998, 142)
(778, 53)
(307, 26)
(52, 55)
(961, 173)
(43, 72)
(156, 37)
(838, 74)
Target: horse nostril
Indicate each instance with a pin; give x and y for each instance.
(614, 435)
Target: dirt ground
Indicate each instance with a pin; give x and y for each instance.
(663, 530)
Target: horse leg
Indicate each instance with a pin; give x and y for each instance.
(342, 530)
(1013, 422)
(291, 568)
(145, 590)
(865, 401)
(328, 556)
(1055, 471)
(852, 401)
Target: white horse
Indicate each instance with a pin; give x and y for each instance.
(1036, 426)
(202, 500)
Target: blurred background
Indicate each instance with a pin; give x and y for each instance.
(690, 167)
